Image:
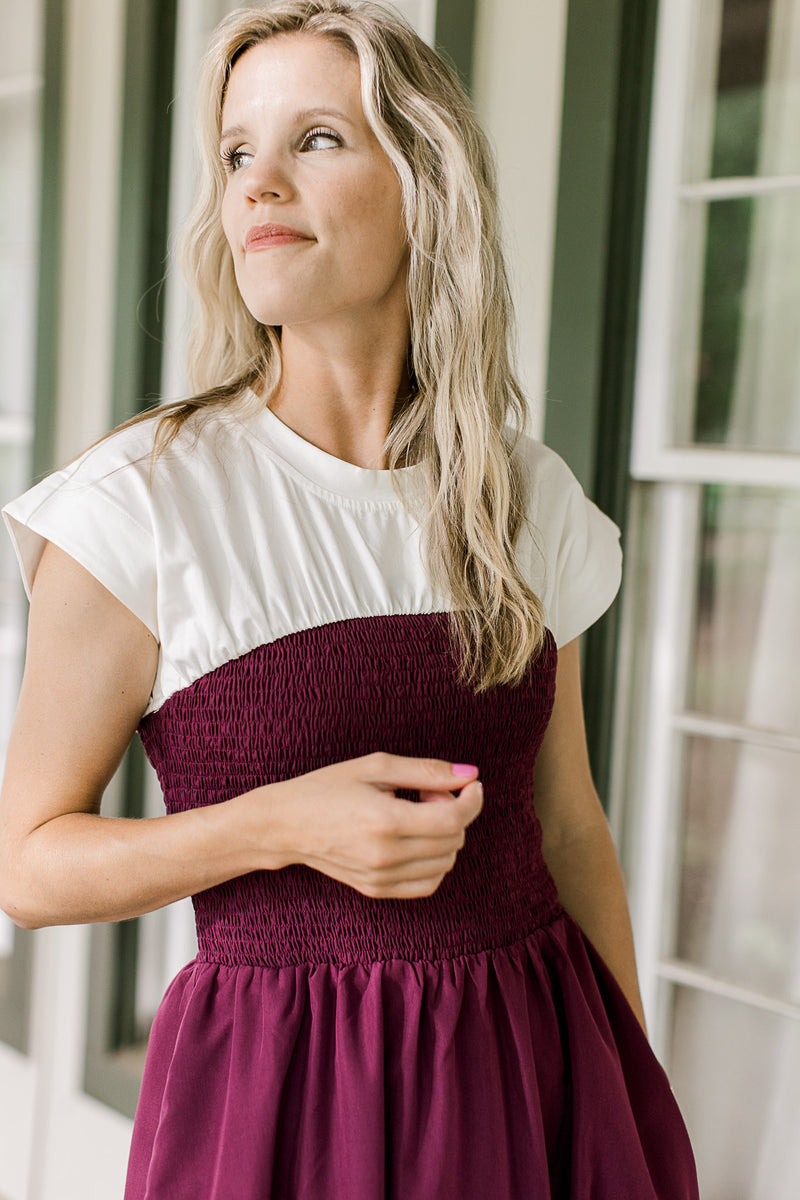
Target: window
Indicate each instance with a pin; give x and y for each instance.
(709, 740)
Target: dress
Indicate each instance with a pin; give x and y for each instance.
(325, 1045)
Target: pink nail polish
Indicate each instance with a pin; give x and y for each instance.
(463, 769)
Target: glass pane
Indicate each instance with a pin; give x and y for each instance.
(743, 99)
(736, 1075)
(739, 898)
(743, 667)
(737, 351)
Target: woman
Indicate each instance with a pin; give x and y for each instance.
(313, 589)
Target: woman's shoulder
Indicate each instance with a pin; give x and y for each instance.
(551, 484)
(141, 450)
(119, 471)
(132, 444)
(572, 551)
(92, 468)
(545, 462)
(111, 507)
(556, 501)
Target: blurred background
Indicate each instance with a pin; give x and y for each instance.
(649, 171)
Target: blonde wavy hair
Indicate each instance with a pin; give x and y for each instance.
(472, 500)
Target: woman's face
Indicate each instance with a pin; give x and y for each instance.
(324, 175)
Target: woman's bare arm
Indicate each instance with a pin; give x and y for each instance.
(577, 843)
(89, 671)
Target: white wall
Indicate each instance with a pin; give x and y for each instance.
(518, 81)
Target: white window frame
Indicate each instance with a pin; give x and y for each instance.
(653, 456)
(651, 851)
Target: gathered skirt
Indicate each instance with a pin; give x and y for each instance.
(518, 1073)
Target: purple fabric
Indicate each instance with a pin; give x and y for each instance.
(325, 1045)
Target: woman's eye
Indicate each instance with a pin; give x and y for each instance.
(314, 134)
(235, 158)
(232, 159)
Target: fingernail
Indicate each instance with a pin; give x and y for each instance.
(463, 769)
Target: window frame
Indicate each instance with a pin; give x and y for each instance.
(652, 720)
(653, 454)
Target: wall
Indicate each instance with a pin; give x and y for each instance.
(518, 76)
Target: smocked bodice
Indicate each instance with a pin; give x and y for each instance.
(336, 692)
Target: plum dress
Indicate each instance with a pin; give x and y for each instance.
(322, 1044)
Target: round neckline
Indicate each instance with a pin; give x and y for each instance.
(326, 470)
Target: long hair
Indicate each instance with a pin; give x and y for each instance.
(462, 342)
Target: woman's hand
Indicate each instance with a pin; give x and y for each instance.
(345, 821)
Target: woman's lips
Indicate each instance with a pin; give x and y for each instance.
(261, 236)
(277, 239)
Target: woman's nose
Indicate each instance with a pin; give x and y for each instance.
(266, 176)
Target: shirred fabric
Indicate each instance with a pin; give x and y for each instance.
(324, 1044)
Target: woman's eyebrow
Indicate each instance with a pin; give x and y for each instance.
(304, 115)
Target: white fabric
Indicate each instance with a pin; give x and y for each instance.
(251, 533)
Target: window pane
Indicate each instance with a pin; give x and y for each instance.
(744, 90)
(737, 351)
(743, 667)
(739, 906)
(736, 1075)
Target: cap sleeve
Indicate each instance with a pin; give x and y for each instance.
(576, 558)
(97, 510)
(589, 568)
